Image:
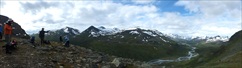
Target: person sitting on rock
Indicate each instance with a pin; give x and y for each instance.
(47, 42)
(13, 45)
(32, 40)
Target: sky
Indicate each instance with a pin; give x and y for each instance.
(181, 17)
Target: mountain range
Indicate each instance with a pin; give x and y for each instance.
(102, 31)
(136, 43)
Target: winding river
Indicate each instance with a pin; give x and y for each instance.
(190, 55)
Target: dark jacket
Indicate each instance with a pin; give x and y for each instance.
(42, 33)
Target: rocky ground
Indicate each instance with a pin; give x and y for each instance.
(58, 56)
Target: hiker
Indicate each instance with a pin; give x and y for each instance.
(42, 35)
(61, 39)
(7, 33)
(32, 40)
(13, 45)
(67, 43)
(1, 31)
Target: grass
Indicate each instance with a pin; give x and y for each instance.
(137, 51)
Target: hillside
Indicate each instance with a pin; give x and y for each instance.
(229, 55)
(58, 56)
(18, 31)
(217, 55)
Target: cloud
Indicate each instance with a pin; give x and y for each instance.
(219, 15)
(143, 1)
(213, 8)
(81, 14)
(213, 17)
(2, 3)
(35, 7)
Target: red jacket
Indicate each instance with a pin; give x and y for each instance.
(7, 29)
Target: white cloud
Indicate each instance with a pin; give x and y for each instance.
(213, 8)
(143, 1)
(32, 16)
(216, 17)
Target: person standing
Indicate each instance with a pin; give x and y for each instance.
(1, 31)
(7, 33)
(42, 35)
(61, 39)
(67, 41)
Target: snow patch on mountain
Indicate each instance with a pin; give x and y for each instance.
(205, 38)
(149, 33)
(144, 40)
(175, 36)
(108, 31)
(105, 31)
(122, 37)
(75, 32)
(94, 34)
(217, 38)
(134, 32)
(132, 29)
(158, 32)
(66, 30)
(163, 40)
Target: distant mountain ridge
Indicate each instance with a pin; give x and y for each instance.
(131, 43)
(137, 33)
(197, 39)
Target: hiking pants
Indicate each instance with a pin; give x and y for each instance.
(7, 39)
(41, 41)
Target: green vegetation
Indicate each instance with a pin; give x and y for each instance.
(206, 51)
(216, 55)
(137, 51)
(133, 48)
(141, 46)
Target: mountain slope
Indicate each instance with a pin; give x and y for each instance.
(58, 56)
(138, 44)
(228, 55)
(18, 31)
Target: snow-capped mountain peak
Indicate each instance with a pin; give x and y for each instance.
(102, 31)
(70, 30)
(66, 30)
(217, 38)
(134, 32)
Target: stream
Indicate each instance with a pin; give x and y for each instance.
(190, 55)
